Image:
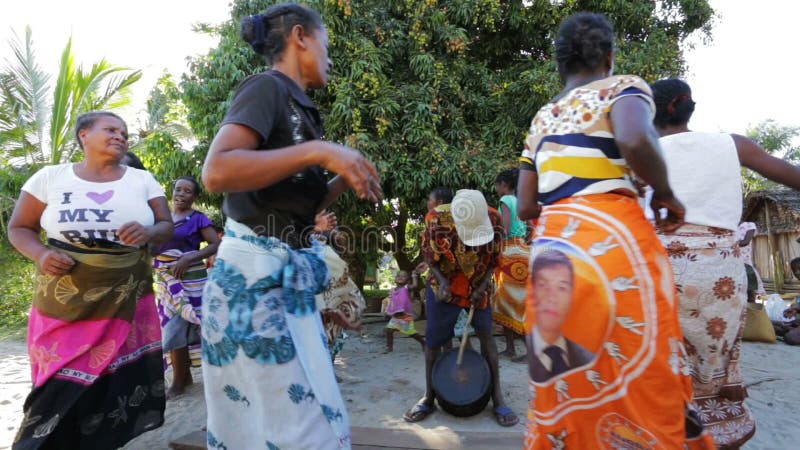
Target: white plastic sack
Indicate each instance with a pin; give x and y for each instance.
(775, 307)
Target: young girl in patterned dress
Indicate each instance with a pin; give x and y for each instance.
(401, 310)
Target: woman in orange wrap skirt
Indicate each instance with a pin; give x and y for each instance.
(607, 365)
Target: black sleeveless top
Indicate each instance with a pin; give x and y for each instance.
(275, 107)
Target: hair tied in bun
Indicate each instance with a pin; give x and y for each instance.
(254, 32)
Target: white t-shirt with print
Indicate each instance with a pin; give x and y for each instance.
(78, 210)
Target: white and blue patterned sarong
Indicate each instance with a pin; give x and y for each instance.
(268, 377)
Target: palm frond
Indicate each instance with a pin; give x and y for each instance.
(117, 91)
(62, 105)
(23, 90)
(33, 82)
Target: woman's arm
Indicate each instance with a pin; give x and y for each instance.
(637, 140)
(747, 238)
(527, 195)
(232, 166)
(184, 262)
(752, 156)
(164, 228)
(505, 214)
(210, 236)
(23, 232)
(336, 187)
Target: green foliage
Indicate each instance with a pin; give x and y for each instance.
(24, 104)
(16, 284)
(779, 141)
(373, 298)
(439, 93)
(165, 111)
(163, 135)
(34, 130)
(11, 181)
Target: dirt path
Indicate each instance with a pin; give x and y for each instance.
(379, 388)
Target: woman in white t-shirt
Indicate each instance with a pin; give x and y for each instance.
(93, 334)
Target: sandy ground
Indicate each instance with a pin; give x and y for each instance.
(379, 388)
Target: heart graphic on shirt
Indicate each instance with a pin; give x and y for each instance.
(101, 198)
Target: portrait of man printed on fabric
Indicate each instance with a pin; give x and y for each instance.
(550, 352)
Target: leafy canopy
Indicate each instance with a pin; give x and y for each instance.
(439, 93)
(779, 141)
(38, 129)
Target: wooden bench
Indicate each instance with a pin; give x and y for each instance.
(385, 439)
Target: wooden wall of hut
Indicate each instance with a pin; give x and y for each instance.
(787, 249)
(776, 213)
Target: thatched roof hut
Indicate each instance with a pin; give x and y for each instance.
(776, 214)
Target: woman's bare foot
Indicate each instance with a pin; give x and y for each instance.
(175, 391)
(178, 388)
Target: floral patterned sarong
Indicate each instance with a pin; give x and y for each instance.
(712, 283)
(340, 294)
(268, 376)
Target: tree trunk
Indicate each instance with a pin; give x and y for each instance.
(398, 247)
(358, 271)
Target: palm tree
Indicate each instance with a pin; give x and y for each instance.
(164, 114)
(36, 131)
(23, 103)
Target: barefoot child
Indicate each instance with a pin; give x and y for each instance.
(400, 309)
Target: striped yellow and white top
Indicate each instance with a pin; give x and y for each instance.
(571, 141)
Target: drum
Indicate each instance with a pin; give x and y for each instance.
(462, 379)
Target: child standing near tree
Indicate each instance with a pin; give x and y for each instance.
(400, 309)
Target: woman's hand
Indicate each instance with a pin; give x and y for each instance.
(325, 221)
(641, 186)
(359, 173)
(675, 211)
(182, 265)
(52, 262)
(134, 234)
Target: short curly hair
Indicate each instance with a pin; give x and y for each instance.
(583, 42)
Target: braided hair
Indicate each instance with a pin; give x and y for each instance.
(673, 99)
(267, 32)
(583, 43)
